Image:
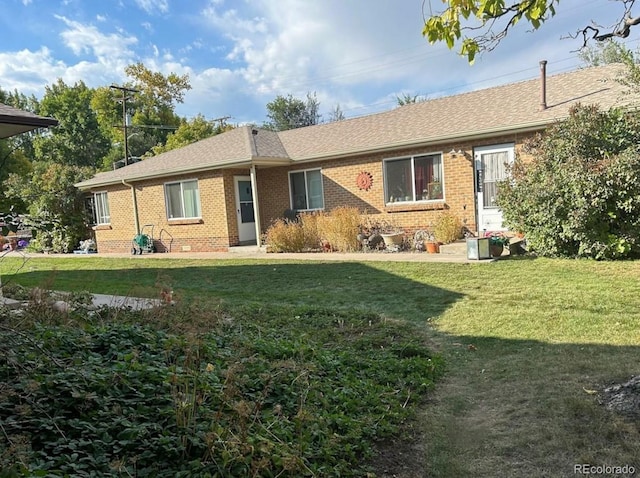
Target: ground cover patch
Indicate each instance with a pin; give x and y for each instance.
(205, 391)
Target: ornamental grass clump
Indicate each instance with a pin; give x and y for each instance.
(298, 235)
(340, 228)
(447, 228)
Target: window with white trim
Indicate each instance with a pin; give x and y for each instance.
(306, 190)
(101, 208)
(183, 199)
(416, 178)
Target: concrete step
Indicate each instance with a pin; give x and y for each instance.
(457, 248)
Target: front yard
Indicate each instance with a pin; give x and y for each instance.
(528, 346)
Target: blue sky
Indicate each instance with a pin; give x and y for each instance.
(241, 54)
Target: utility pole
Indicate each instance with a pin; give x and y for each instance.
(222, 120)
(124, 99)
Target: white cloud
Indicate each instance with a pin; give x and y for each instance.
(153, 6)
(232, 21)
(296, 46)
(87, 39)
(103, 59)
(28, 71)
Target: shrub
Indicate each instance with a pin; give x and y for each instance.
(56, 209)
(580, 196)
(340, 228)
(285, 236)
(309, 224)
(294, 236)
(447, 228)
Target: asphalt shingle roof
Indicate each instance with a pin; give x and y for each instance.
(492, 111)
(14, 121)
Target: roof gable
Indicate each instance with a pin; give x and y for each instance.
(235, 147)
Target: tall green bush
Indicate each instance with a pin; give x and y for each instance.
(580, 196)
(54, 205)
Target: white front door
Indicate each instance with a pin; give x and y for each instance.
(244, 210)
(491, 167)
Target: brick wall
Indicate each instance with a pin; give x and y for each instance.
(340, 188)
(217, 229)
(209, 233)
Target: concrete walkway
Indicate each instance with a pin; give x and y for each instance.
(455, 253)
(99, 300)
(119, 301)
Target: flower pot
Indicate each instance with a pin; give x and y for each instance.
(432, 247)
(496, 250)
(394, 239)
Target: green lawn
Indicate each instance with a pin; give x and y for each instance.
(524, 340)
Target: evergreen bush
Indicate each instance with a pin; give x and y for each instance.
(580, 195)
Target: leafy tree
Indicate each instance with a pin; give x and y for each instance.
(78, 139)
(17, 151)
(190, 132)
(153, 106)
(109, 115)
(151, 109)
(158, 91)
(580, 196)
(52, 199)
(480, 25)
(336, 114)
(12, 161)
(107, 103)
(407, 99)
(604, 53)
(289, 113)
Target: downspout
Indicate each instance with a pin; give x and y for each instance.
(135, 205)
(254, 188)
(256, 208)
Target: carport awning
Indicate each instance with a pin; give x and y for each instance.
(14, 121)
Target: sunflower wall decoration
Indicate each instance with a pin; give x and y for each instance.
(364, 180)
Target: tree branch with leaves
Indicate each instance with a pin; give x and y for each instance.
(480, 25)
(621, 30)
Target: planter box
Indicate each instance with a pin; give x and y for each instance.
(478, 248)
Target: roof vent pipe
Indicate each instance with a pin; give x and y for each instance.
(543, 85)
